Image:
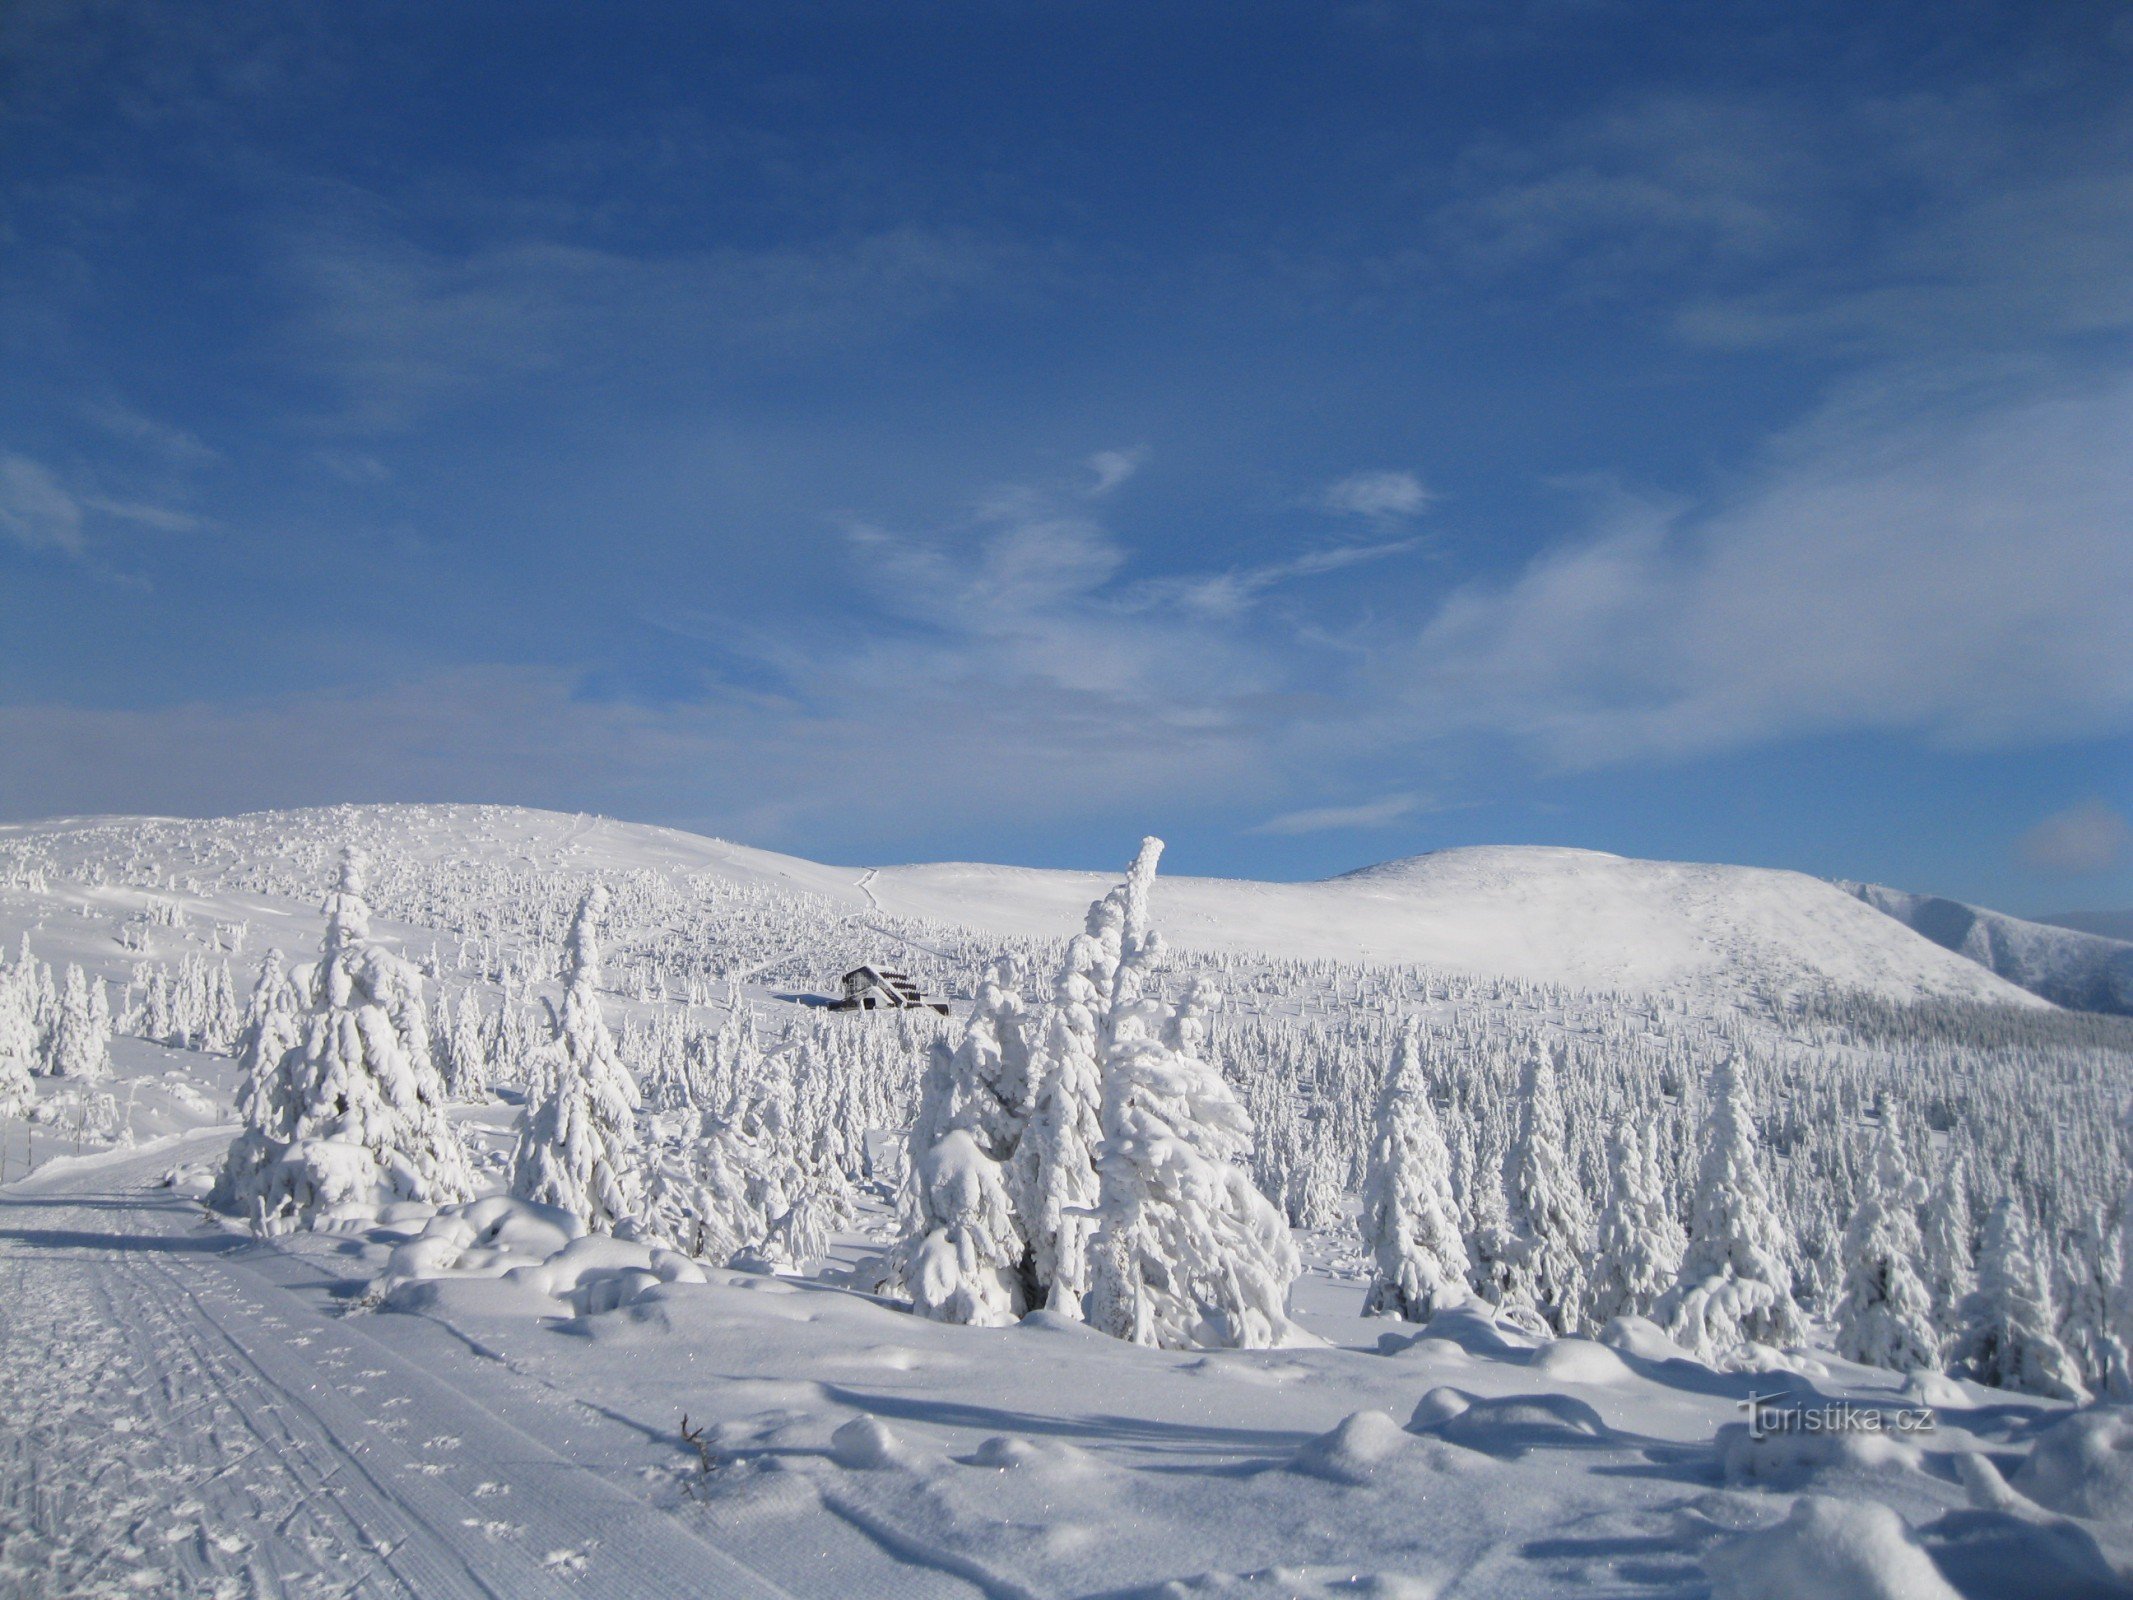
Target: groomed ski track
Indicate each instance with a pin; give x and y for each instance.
(187, 1412)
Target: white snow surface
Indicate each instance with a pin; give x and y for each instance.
(1582, 919)
(480, 1403)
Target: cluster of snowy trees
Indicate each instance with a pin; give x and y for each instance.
(1578, 1131)
(1919, 1290)
(55, 1028)
(1082, 1154)
(706, 1140)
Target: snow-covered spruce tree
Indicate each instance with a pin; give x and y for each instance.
(1638, 1247)
(469, 1051)
(81, 1029)
(18, 1042)
(1410, 1223)
(1948, 1246)
(354, 1114)
(1054, 1176)
(1733, 1289)
(266, 1107)
(1550, 1221)
(2120, 1379)
(577, 1149)
(1885, 1317)
(1186, 1252)
(2008, 1339)
(964, 1256)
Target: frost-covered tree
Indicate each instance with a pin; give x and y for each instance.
(1733, 1287)
(1885, 1318)
(1186, 1252)
(2008, 1338)
(1550, 1222)
(18, 1041)
(965, 1257)
(353, 1114)
(267, 1109)
(81, 1029)
(1638, 1246)
(1410, 1221)
(1948, 1245)
(469, 1052)
(577, 1148)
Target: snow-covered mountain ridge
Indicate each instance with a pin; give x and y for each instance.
(1580, 919)
(2081, 971)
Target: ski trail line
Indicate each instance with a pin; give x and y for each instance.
(182, 1419)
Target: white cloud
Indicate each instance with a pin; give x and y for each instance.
(2081, 841)
(1384, 493)
(1958, 575)
(40, 512)
(36, 511)
(1228, 594)
(1112, 468)
(1325, 819)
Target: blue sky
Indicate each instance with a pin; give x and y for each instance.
(1318, 433)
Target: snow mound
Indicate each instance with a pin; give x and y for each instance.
(1579, 1361)
(1510, 1426)
(865, 1444)
(1353, 1451)
(1831, 1550)
(541, 1248)
(1791, 1459)
(2083, 1467)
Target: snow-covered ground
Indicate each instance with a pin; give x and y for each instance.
(190, 1411)
(194, 1413)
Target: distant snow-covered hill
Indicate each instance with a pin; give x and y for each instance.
(2081, 971)
(1579, 919)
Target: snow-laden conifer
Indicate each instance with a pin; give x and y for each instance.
(469, 1052)
(1550, 1221)
(18, 1041)
(1410, 1223)
(577, 1148)
(965, 1257)
(354, 1114)
(1638, 1243)
(2009, 1338)
(1948, 1247)
(1734, 1288)
(81, 1029)
(1186, 1252)
(267, 1108)
(1885, 1318)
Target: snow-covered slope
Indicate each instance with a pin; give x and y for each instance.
(1580, 919)
(2077, 970)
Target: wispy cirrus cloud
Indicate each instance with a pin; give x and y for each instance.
(1327, 819)
(40, 511)
(1392, 493)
